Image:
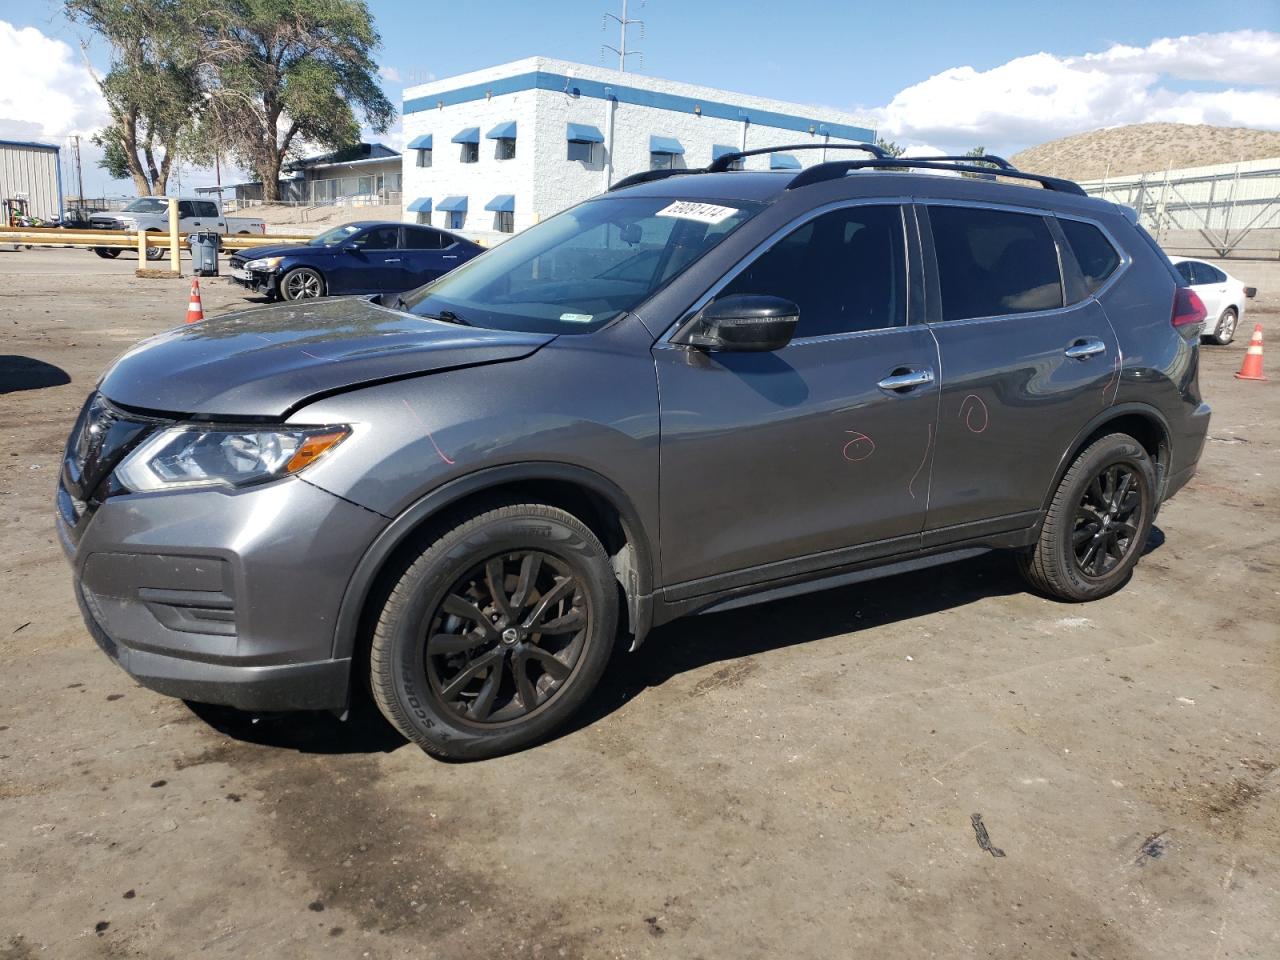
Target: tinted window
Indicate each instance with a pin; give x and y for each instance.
(1097, 258)
(184, 209)
(992, 263)
(843, 269)
(1184, 268)
(580, 150)
(425, 239)
(380, 238)
(1207, 273)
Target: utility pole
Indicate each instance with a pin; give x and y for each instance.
(79, 174)
(623, 23)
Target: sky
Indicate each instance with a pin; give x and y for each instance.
(930, 75)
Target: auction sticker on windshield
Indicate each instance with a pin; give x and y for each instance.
(702, 212)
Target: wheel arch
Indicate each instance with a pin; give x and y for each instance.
(1144, 423)
(592, 498)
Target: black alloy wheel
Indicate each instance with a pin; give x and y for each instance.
(1107, 520)
(506, 636)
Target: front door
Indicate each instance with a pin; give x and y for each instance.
(375, 265)
(1022, 373)
(775, 464)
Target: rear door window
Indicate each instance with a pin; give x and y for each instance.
(416, 238)
(1096, 256)
(844, 270)
(992, 262)
(1207, 273)
(1184, 270)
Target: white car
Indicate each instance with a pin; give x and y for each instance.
(1223, 297)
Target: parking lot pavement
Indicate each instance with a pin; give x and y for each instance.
(793, 780)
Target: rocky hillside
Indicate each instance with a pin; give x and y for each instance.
(1144, 147)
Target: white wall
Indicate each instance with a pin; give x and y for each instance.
(31, 173)
(541, 177)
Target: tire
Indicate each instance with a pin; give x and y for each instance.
(301, 283)
(107, 253)
(448, 679)
(1227, 324)
(1060, 564)
(154, 253)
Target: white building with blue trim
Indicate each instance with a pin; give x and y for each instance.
(502, 148)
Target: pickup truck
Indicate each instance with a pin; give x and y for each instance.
(152, 214)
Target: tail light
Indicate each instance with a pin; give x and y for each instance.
(1188, 308)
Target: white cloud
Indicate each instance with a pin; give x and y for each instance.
(390, 74)
(1042, 96)
(46, 92)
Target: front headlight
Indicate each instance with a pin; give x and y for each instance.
(263, 264)
(195, 456)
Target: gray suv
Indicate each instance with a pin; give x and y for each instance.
(700, 390)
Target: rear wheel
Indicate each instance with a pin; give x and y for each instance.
(495, 633)
(1226, 327)
(1098, 523)
(301, 283)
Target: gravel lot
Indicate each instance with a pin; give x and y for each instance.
(792, 780)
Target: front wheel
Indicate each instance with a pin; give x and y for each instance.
(301, 283)
(496, 633)
(1098, 523)
(1226, 327)
(107, 253)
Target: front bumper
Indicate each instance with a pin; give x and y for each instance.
(257, 281)
(220, 597)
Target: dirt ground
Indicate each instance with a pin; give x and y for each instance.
(792, 780)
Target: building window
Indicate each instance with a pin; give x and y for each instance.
(424, 158)
(506, 149)
(470, 153)
(580, 150)
(424, 218)
(504, 221)
(663, 152)
(456, 219)
(661, 161)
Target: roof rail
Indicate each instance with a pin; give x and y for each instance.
(645, 176)
(834, 169)
(726, 160)
(1000, 162)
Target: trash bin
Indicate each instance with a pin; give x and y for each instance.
(204, 252)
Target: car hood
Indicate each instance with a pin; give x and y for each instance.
(268, 361)
(280, 250)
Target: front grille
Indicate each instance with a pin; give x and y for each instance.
(99, 441)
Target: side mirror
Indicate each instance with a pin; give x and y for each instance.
(351, 248)
(744, 322)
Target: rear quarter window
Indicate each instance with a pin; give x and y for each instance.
(1097, 258)
(992, 262)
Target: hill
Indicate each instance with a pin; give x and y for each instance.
(1146, 147)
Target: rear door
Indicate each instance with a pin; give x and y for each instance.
(1028, 358)
(425, 256)
(787, 463)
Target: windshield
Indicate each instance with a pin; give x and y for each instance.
(331, 238)
(582, 268)
(147, 205)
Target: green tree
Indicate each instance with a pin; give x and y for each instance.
(152, 86)
(891, 148)
(287, 73)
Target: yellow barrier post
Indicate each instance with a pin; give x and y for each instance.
(174, 254)
(142, 248)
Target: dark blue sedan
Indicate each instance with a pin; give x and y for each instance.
(355, 258)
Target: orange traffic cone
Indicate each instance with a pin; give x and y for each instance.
(1251, 369)
(195, 309)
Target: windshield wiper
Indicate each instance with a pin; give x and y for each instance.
(448, 316)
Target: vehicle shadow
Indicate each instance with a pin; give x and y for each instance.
(28, 373)
(688, 644)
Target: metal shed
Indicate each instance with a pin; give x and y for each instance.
(33, 172)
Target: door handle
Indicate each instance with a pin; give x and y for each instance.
(1084, 349)
(905, 381)
(449, 256)
(391, 260)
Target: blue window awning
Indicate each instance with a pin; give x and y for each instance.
(583, 133)
(420, 143)
(452, 203)
(469, 135)
(718, 150)
(421, 205)
(503, 131)
(783, 161)
(502, 203)
(666, 145)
